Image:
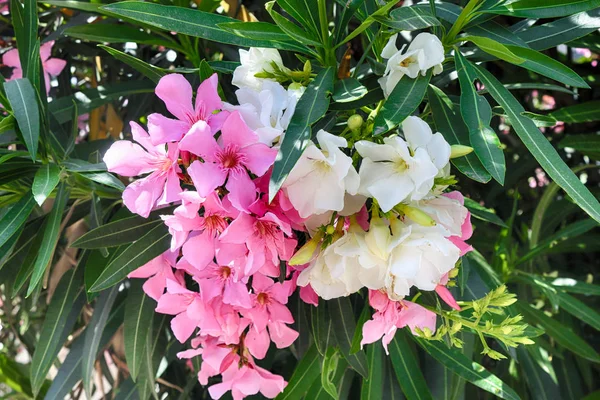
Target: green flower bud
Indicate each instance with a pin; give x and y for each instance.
(458, 150)
(416, 215)
(307, 252)
(355, 122)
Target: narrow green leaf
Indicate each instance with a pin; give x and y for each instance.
(544, 8)
(15, 217)
(408, 371)
(583, 112)
(256, 30)
(579, 310)
(328, 370)
(93, 335)
(473, 372)
(547, 66)
(322, 328)
(75, 165)
(116, 233)
(402, 102)
(497, 32)
(67, 297)
(539, 146)
(409, 19)
(573, 286)
(23, 100)
(494, 48)
(306, 372)
(28, 262)
(342, 318)
(452, 126)
(116, 33)
(139, 312)
(588, 144)
(51, 236)
(348, 89)
(45, 180)
(310, 108)
(148, 70)
(144, 249)
(364, 316)
(477, 114)
(559, 332)
(106, 179)
(372, 387)
(190, 22)
(25, 22)
(538, 380)
(483, 213)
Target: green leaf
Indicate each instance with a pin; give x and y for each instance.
(144, 249)
(452, 126)
(538, 380)
(348, 89)
(579, 310)
(25, 22)
(116, 33)
(551, 34)
(573, 286)
(105, 179)
(26, 268)
(15, 217)
(330, 363)
(559, 332)
(303, 12)
(583, 112)
(539, 146)
(322, 328)
(368, 21)
(68, 299)
(544, 8)
(364, 316)
(372, 387)
(402, 102)
(190, 22)
(51, 236)
(45, 180)
(587, 144)
(292, 30)
(148, 70)
(495, 48)
(477, 114)
(483, 213)
(7, 123)
(497, 32)
(93, 335)
(408, 371)
(409, 19)
(139, 311)
(471, 371)
(546, 66)
(348, 9)
(75, 165)
(256, 30)
(116, 233)
(310, 108)
(306, 372)
(23, 100)
(342, 318)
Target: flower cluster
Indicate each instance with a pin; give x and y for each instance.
(381, 219)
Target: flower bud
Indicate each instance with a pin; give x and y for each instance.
(307, 252)
(458, 150)
(307, 67)
(355, 122)
(416, 215)
(330, 229)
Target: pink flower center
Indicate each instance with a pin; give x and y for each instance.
(225, 272)
(265, 229)
(214, 223)
(231, 159)
(262, 298)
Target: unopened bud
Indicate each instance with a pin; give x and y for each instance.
(416, 215)
(453, 273)
(355, 122)
(307, 67)
(330, 229)
(458, 150)
(307, 252)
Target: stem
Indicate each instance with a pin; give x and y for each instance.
(328, 51)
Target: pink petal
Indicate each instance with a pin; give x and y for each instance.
(258, 343)
(199, 250)
(183, 327)
(140, 196)
(54, 66)
(270, 384)
(155, 286)
(309, 296)
(261, 283)
(259, 157)
(445, 294)
(282, 335)
(372, 331)
(416, 316)
(216, 121)
(207, 97)
(206, 177)
(242, 191)
(172, 187)
(236, 294)
(176, 92)
(200, 141)
(11, 59)
(239, 230)
(172, 304)
(462, 246)
(140, 135)
(46, 50)
(163, 129)
(236, 132)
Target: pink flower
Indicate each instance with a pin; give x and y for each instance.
(129, 159)
(238, 150)
(466, 227)
(158, 271)
(267, 239)
(390, 315)
(225, 282)
(50, 66)
(445, 294)
(185, 218)
(187, 306)
(176, 92)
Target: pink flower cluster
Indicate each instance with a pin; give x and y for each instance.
(226, 279)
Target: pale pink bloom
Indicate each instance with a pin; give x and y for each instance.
(158, 270)
(237, 151)
(466, 228)
(185, 218)
(280, 205)
(3, 7)
(130, 159)
(200, 247)
(186, 305)
(267, 238)
(50, 66)
(309, 296)
(216, 357)
(176, 92)
(390, 315)
(226, 282)
(445, 295)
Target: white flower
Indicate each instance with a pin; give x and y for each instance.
(448, 213)
(424, 52)
(267, 111)
(321, 178)
(398, 170)
(254, 61)
(421, 259)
